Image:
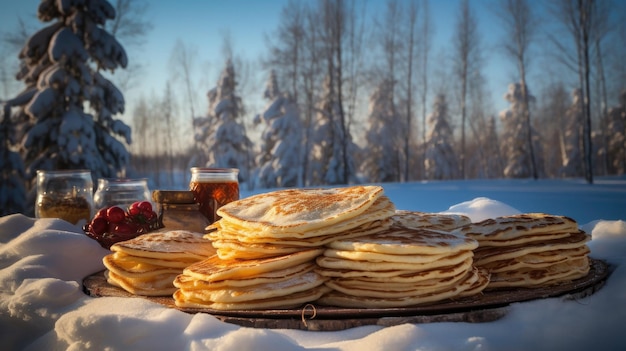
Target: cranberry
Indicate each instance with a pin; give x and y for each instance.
(115, 214)
(145, 206)
(99, 226)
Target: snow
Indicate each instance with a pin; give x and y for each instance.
(42, 306)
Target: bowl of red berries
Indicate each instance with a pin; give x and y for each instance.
(114, 224)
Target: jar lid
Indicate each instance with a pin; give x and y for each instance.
(173, 196)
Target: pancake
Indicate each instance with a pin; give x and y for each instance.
(351, 298)
(159, 262)
(160, 285)
(171, 245)
(437, 221)
(382, 257)
(282, 302)
(297, 283)
(380, 209)
(128, 268)
(299, 210)
(536, 260)
(373, 226)
(367, 266)
(214, 268)
(554, 274)
(402, 276)
(423, 286)
(188, 283)
(407, 242)
(524, 225)
(234, 250)
(484, 255)
(527, 239)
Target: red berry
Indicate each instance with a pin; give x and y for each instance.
(99, 226)
(115, 214)
(102, 213)
(145, 206)
(149, 215)
(125, 229)
(134, 209)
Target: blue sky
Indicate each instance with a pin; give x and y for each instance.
(202, 24)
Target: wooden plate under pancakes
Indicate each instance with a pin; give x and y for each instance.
(486, 307)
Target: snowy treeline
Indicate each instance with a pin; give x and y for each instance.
(460, 137)
(429, 116)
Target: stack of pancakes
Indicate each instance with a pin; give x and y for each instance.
(288, 221)
(529, 250)
(267, 244)
(148, 264)
(279, 282)
(400, 267)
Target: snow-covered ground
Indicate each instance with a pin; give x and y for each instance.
(43, 262)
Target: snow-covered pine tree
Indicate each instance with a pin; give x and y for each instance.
(220, 136)
(617, 132)
(572, 138)
(327, 165)
(440, 162)
(62, 66)
(279, 159)
(384, 138)
(12, 190)
(514, 136)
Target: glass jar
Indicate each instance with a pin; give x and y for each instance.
(179, 210)
(214, 188)
(65, 194)
(120, 192)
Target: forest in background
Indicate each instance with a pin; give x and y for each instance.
(374, 103)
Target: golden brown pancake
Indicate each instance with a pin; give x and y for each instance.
(407, 241)
(298, 210)
(437, 221)
(171, 245)
(518, 226)
(215, 269)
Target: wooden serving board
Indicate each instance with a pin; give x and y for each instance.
(486, 307)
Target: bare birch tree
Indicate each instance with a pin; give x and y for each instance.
(131, 28)
(311, 69)
(582, 19)
(603, 27)
(424, 53)
(412, 44)
(335, 17)
(391, 43)
(520, 26)
(140, 123)
(465, 60)
(287, 46)
(182, 63)
(168, 108)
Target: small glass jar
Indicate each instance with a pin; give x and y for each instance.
(120, 192)
(65, 194)
(179, 210)
(214, 188)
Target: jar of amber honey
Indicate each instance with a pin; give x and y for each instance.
(179, 210)
(214, 188)
(64, 194)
